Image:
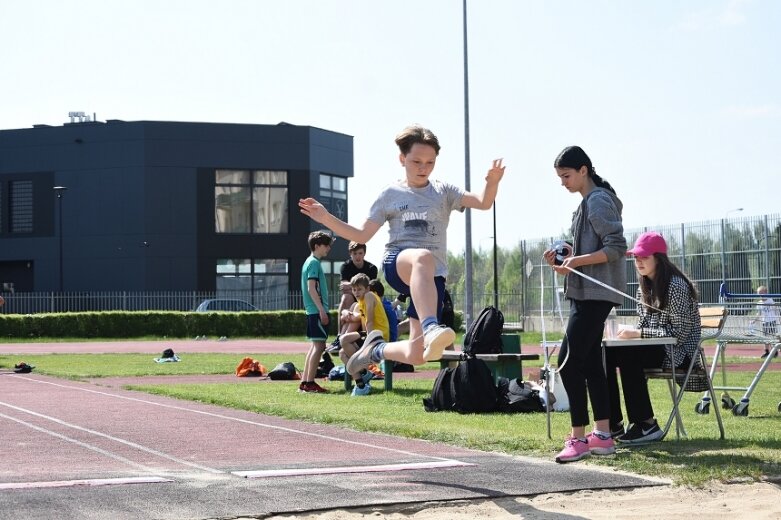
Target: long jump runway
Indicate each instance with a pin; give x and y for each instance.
(76, 450)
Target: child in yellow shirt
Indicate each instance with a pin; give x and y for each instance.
(373, 317)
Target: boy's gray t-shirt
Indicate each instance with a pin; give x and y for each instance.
(418, 217)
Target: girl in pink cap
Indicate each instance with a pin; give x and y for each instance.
(662, 286)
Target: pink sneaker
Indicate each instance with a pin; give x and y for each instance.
(574, 449)
(599, 446)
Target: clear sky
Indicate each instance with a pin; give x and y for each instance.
(677, 102)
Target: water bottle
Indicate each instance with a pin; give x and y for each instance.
(611, 325)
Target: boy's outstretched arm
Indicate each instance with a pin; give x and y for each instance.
(317, 212)
(486, 199)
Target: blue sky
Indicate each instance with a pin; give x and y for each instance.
(676, 102)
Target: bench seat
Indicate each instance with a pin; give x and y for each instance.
(508, 364)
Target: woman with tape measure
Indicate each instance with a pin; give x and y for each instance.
(595, 272)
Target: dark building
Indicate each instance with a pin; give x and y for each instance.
(165, 206)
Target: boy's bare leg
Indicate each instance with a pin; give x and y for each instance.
(416, 268)
(348, 349)
(350, 337)
(312, 360)
(407, 351)
(350, 327)
(345, 303)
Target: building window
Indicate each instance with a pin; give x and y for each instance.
(333, 277)
(21, 206)
(333, 195)
(248, 201)
(263, 282)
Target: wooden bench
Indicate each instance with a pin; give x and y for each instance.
(509, 364)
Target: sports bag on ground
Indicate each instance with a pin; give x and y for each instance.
(284, 371)
(485, 333)
(516, 396)
(440, 400)
(467, 388)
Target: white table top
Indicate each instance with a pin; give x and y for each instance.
(638, 342)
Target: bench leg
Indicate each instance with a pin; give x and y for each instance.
(387, 369)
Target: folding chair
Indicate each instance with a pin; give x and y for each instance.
(711, 323)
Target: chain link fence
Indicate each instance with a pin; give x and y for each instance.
(743, 252)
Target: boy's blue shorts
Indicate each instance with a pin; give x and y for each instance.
(393, 279)
(314, 328)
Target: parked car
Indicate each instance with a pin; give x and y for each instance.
(224, 304)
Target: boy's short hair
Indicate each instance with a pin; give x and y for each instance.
(377, 288)
(360, 279)
(355, 246)
(416, 134)
(319, 238)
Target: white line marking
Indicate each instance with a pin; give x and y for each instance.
(86, 482)
(244, 421)
(348, 469)
(115, 439)
(79, 443)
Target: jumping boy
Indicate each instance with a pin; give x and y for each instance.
(315, 292)
(415, 259)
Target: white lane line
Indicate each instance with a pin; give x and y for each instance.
(84, 482)
(114, 456)
(115, 439)
(244, 421)
(294, 472)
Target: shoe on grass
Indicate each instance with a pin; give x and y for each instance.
(641, 433)
(366, 390)
(617, 430)
(574, 449)
(599, 445)
(311, 388)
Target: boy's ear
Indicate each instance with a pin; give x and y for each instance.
(401, 158)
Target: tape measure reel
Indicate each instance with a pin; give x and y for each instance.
(563, 250)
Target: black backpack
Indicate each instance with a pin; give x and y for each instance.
(448, 313)
(467, 388)
(517, 397)
(283, 371)
(325, 365)
(485, 333)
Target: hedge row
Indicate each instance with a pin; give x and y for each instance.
(120, 324)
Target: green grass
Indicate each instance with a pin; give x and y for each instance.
(752, 449)
(87, 366)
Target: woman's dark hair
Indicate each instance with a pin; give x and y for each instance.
(654, 292)
(574, 157)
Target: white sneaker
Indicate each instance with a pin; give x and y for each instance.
(435, 340)
(363, 358)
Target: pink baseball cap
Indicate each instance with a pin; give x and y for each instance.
(648, 243)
